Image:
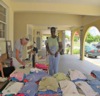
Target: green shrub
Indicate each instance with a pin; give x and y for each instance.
(68, 50)
(76, 51)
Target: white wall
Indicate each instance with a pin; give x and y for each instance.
(10, 26)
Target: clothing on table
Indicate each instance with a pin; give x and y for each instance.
(95, 84)
(60, 76)
(21, 94)
(7, 71)
(41, 66)
(35, 70)
(96, 73)
(86, 88)
(12, 88)
(19, 76)
(50, 93)
(76, 75)
(48, 83)
(30, 78)
(68, 87)
(29, 88)
(34, 76)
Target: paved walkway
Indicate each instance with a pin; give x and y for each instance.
(73, 62)
(68, 61)
(95, 61)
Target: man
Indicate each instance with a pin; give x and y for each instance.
(17, 52)
(54, 46)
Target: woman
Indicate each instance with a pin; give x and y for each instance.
(5, 71)
(54, 46)
(1, 70)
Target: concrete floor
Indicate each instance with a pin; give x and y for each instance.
(68, 61)
(73, 62)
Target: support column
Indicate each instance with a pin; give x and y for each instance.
(72, 41)
(61, 35)
(81, 43)
(63, 40)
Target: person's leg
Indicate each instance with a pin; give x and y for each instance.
(51, 71)
(1, 70)
(8, 70)
(36, 57)
(29, 56)
(33, 60)
(56, 64)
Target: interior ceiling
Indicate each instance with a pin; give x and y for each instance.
(88, 7)
(85, 2)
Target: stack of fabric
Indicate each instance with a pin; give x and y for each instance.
(80, 80)
(39, 83)
(48, 86)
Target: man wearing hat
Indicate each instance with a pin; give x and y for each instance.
(17, 52)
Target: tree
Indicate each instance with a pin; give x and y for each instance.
(97, 38)
(67, 37)
(76, 38)
(90, 38)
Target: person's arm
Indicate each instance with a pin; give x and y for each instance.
(60, 48)
(48, 50)
(18, 59)
(29, 47)
(2, 59)
(1, 70)
(31, 52)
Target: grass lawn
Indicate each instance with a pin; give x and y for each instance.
(77, 44)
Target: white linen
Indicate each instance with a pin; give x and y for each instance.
(85, 87)
(12, 88)
(68, 87)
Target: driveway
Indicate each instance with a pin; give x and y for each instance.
(94, 60)
(68, 62)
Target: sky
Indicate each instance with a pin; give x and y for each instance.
(68, 32)
(94, 31)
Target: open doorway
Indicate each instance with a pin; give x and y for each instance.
(67, 41)
(92, 40)
(76, 47)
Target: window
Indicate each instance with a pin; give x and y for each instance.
(3, 20)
